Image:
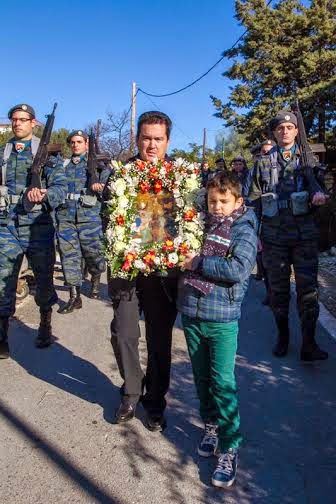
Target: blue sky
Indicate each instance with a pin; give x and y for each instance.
(85, 55)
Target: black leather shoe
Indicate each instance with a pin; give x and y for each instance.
(310, 355)
(4, 350)
(124, 413)
(155, 423)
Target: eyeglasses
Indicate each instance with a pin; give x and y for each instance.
(20, 119)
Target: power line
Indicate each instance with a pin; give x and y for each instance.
(203, 75)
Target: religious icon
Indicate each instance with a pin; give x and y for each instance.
(155, 219)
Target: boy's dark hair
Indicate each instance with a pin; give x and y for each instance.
(154, 117)
(226, 181)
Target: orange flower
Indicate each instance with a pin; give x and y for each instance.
(144, 187)
(184, 248)
(168, 246)
(189, 215)
(149, 257)
(140, 164)
(130, 257)
(120, 220)
(153, 172)
(158, 186)
(168, 166)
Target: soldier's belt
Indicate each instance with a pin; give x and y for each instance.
(14, 198)
(73, 196)
(282, 204)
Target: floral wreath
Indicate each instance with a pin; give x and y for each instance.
(125, 255)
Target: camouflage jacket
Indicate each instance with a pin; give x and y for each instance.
(291, 178)
(77, 177)
(18, 178)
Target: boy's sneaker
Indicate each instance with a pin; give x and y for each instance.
(225, 472)
(209, 441)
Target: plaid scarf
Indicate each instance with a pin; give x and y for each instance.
(217, 242)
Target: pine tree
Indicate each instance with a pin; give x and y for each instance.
(287, 52)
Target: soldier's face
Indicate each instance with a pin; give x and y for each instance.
(22, 125)
(285, 134)
(222, 203)
(152, 142)
(237, 166)
(265, 149)
(78, 145)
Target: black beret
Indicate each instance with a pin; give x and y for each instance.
(241, 159)
(268, 142)
(24, 107)
(282, 117)
(77, 133)
(220, 160)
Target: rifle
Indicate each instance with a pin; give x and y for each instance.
(97, 160)
(40, 159)
(307, 156)
(325, 215)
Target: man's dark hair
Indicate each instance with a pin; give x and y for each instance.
(154, 117)
(226, 181)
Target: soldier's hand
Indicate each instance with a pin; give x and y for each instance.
(319, 198)
(97, 187)
(36, 195)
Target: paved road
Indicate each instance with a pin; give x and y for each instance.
(59, 444)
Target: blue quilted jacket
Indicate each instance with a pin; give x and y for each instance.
(230, 276)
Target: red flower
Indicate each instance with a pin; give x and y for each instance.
(120, 220)
(158, 186)
(144, 187)
(127, 265)
(189, 215)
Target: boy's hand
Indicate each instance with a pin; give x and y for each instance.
(187, 263)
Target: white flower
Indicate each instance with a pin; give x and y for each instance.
(119, 246)
(195, 243)
(109, 234)
(191, 227)
(120, 186)
(157, 261)
(173, 258)
(191, 184)
(179, 162)
(119, 232)
(122, 202)
(115, 164)
(139, 264)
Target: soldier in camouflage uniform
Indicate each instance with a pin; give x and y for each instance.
(285, 192)
(30, 233)
(79, 224)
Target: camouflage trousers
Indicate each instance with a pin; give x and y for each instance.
(77, 240)
(277, 259)
(37, 243)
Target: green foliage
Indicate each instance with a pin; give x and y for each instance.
(287, 52)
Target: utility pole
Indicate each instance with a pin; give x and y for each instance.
(133, 118)
(204, 145)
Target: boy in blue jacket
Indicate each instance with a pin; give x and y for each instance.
(210, 297)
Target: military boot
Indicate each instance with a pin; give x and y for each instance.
(4, 349)
(74, 303)
(95, 282)
(280, 349)
(310, 351)
(44, 337)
